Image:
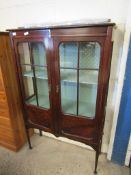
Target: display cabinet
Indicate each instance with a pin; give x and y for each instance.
(63, 74)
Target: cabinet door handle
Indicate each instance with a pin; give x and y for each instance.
(57, 88)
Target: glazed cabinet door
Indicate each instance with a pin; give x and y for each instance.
(79, 86)
(33, 63)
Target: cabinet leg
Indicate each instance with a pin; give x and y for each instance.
(28, 138)
(40, 132)
(96, 161)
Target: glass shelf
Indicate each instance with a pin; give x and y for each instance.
(88, 77)
(85, 77)
(41, 74)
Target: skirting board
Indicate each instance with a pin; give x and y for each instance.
(104, 147)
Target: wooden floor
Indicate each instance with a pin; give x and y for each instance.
(53, 157)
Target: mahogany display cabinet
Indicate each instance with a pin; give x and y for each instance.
(63, 74)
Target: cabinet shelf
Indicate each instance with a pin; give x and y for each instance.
(39, 74)
(43, 101)
(68, 76)
(89, 77)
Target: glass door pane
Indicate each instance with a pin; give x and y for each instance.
(34, 72)
(68, 72)
(89, 60)
(24, 53)
(87, 92)
(39, 54)
(89, 55)
(69, 91)
(68, 55)
(42, 86)
(79, 67)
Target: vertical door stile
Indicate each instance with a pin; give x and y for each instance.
(49, 67)
(78, 79)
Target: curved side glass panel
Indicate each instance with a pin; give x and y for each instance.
(34, 72)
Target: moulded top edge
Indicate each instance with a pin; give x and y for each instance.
(64, 26)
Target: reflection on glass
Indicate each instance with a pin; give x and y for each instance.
(89, 55)
(39, 54)
(68, 54)
(24, 54)
(79, 67)
(69, 91)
